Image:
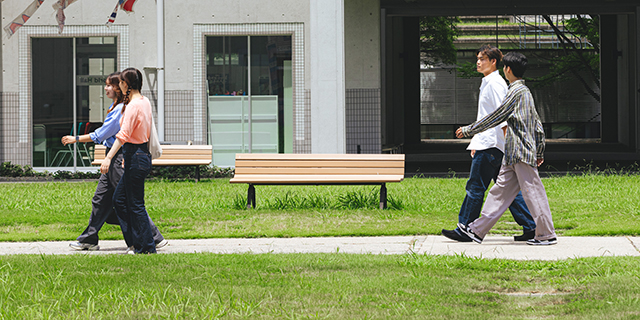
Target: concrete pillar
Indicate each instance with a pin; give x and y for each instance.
(635, 87)
(609, 78)
(402, 81)
(411, 85)
(327, 60)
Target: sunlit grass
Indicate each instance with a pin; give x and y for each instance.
(581, 205)
(316, 286)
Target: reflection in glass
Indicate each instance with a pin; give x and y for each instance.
(53, 105)
(230, 61)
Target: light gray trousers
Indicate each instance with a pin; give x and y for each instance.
(511, 179)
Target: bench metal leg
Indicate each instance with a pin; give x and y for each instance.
(383, 196)
(251, 197)
(197, 173)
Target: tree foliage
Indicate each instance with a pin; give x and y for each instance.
(576, 62)
(436, 40)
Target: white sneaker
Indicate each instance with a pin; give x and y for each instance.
(84, 246)
(466, 230)
(130, 250)
(548, 242)
(162, 244)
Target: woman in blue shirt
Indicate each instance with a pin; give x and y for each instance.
(102, 202)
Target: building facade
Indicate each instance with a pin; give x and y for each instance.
(287, 76)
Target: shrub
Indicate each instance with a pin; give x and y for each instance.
(15, 170)
(170, 172)
(189, 172)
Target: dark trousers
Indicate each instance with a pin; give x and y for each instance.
(128, 199)
(102, 204)
(485, 167)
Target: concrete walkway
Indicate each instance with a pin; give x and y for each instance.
(492, 247)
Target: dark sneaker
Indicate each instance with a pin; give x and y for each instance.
(162, 243)
(455, 235)
(84, 246)
(525, 236)
(548, 242)
(466, 230)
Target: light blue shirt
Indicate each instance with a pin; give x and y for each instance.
(106, 134)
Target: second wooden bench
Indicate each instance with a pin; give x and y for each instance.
(172, 155)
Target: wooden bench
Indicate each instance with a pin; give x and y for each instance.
(172, 155)
(318, 169)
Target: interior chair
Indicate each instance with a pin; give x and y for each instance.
(66, 156)
(40, 141)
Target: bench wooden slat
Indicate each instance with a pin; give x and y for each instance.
(320, 164)
(284, 179)
(317, 171)
(185, 155)
(161, 162)
(345, 157)
(172, 155)
(185, 152)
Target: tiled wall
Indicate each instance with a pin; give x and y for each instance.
(178, 115)
(362, 117)
(10, 149)
(303, 145)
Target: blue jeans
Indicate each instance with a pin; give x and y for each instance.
(485, 167)
(102, 204)
(128, 199)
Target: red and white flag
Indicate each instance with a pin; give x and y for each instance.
(59, 7)
(112, 17)
(126, 5)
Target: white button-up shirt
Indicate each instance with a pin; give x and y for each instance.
(492, 91)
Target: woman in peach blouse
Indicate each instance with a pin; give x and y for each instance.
(128, 198)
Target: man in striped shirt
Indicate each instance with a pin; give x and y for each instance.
(487, 151)
(524, 149)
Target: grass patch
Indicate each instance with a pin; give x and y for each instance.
(589, 204)
(315, 286)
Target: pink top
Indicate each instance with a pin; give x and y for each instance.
(135, 124)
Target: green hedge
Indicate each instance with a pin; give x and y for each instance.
(170, 172)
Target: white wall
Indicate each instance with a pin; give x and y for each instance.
(324, 45)
(82, 12)
(362, 43)
(179, 19)
(327, 76)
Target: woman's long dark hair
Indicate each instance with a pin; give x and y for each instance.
(133, 78)
(114, 80)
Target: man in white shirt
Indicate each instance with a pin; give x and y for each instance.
(487, 151)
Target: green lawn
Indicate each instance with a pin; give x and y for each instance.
(581, 205)
(315, 286)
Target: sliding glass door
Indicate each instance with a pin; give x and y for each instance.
(68, 96)
(250, 98)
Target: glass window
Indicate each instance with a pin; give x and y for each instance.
(559, 82)
(53, 103)
(250, 95)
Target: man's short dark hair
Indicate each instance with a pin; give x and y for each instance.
(517, 62)
(491, 52)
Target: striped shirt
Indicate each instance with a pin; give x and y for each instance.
(525, 136)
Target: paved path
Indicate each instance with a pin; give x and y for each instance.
(492, 246)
